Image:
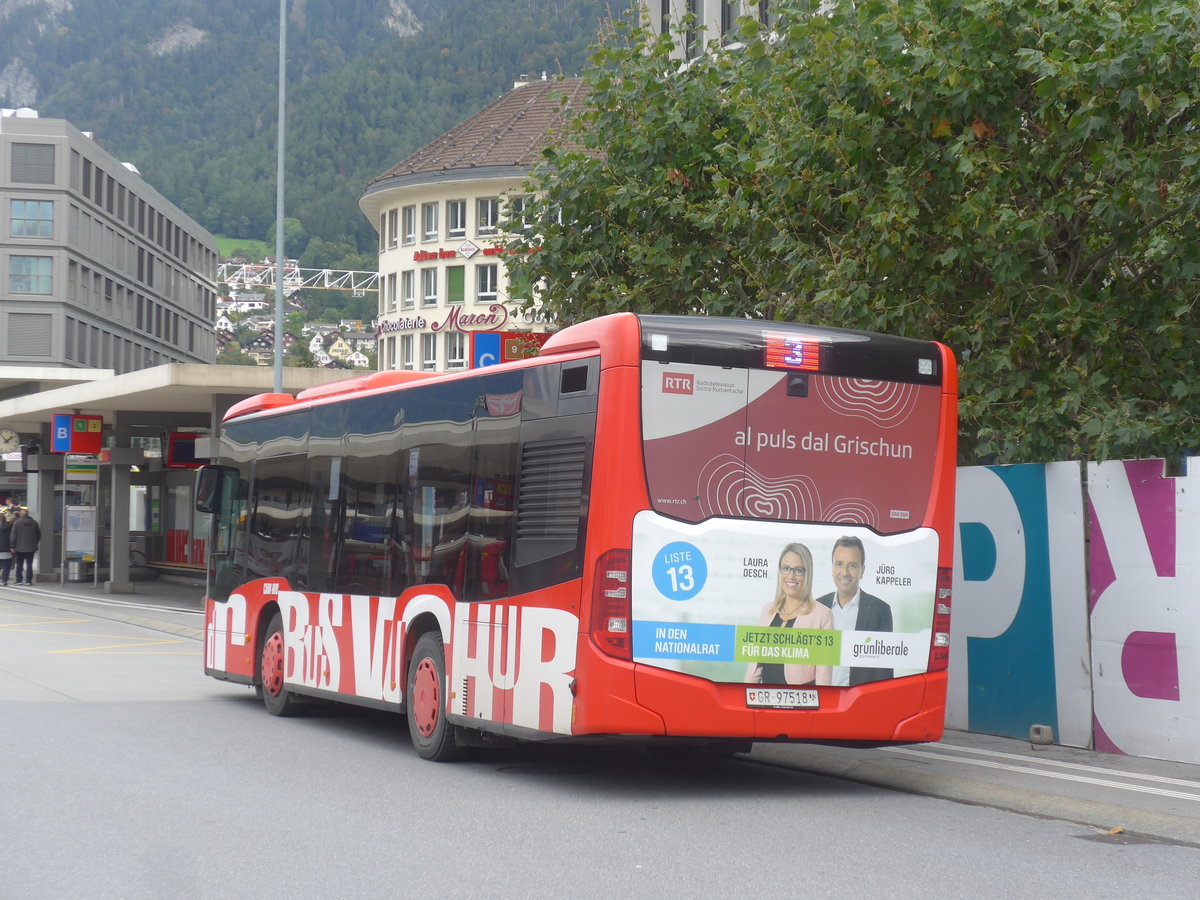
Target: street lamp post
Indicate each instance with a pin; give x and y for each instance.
(279, 198)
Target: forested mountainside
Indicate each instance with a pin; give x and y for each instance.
(186, 89)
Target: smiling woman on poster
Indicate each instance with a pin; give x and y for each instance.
(794, 607)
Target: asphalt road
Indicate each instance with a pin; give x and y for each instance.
(128, 774)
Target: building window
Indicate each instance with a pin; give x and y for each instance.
(456, 277)
(429, 352)
(391, 292)
(456, 218)
(488, 209)
(31, 275)
(429, 286)
(408, 289)
(29, 334)
(695, 28)
(32, 218)
(393, 228)
(406, 352)
(485, 283)
(728, 19)
(429, 226)
(516, 213)
(409, 223)
(456, 350)
(33, 163)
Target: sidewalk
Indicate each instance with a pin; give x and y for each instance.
(1135, 798)
(1128, 799)
(169, 606)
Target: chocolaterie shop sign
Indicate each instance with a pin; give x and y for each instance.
(493, 319)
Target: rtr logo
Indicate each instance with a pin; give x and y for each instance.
(674, 383)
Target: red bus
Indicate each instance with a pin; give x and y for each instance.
(673, 529)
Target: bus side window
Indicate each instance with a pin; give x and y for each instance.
(490, 525)
(279, 507)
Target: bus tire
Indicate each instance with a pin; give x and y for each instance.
(432, 736)
(278, 700)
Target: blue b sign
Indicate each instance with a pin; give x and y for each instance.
(76, 434)
(60, 434)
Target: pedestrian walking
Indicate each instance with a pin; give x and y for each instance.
(6, 555)
(25, 536)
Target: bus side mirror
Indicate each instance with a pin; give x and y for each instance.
(209, 481)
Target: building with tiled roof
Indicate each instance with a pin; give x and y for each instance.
(443, 291)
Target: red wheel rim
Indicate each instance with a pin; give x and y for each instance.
(425, 707)
(272, 664)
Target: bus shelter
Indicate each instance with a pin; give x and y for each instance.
(123, 511)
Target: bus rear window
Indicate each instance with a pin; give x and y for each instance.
(779, 444)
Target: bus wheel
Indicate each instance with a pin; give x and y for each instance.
(433, 737)
(276, 698)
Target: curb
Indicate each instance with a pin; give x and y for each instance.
(1104, 816)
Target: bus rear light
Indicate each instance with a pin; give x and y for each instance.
(939, 651)
(611, 609)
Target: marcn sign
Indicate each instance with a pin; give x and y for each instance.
(456, 320)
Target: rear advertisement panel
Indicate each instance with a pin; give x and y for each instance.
(703, 598)
(729, 453)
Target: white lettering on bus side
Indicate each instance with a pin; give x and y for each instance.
(311, 655)
(504, 651)
(471, 676)
(378, 652)
(226, 627)
(502, 658)
(529, 706)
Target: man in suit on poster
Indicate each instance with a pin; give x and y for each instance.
(855, 610)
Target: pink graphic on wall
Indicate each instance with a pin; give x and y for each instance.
(1144, 602)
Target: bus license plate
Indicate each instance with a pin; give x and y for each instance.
(782, 698)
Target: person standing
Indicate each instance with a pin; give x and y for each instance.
(6, 556)
(855, 609)
(794, 607)
(25, 536)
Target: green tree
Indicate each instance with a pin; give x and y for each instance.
(298, 356)
(295, 237)
(235, 356)
(1018, 179)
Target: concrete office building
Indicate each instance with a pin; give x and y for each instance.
(106, 290)
(443, 290)
(97, 269)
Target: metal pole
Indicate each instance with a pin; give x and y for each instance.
(279, 199)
